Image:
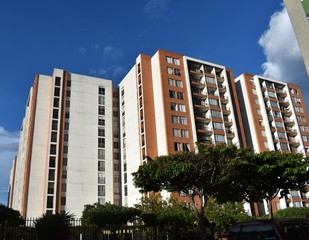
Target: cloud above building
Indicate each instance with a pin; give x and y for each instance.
(155, 9)
(283, 57)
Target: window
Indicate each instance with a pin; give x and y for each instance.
(176, 132)
(52, 162)
(56, 102)
(174, 119)
(278, 124)
(68, 93)
(186, 147)
(180, 95)
(276, 114)
(273, 104)
(101, 166)
(210, 80)
(271, 94)
(183, 120)
(176, 61)
(284, 146)
(305, 138)
(101, 100)
(53, 137)
(173, 106)
(101, 142)
(172, 94)
(51, 175)
(177, 72)
(50, 202)
(101, 121)
(57, 92)
(101, 154)
(294, 91)
(216, 114)
(265, 144)
(171, 82)
(50, 189)
(177, 147)
(182, 108)
(101, 178)
(170, 70)
(219, 138)
(101, 110)
(281, 135)
(256, 101)
(169, 59)
(218, 126)
(54, 125)
(184, 133)
(263, 133)
(101, 91)
(65, 149)
(304, 128)
(258, 111)
(213, 102)
(52, 149)
(101, 190)
(251, 82)
(101, 131)
(57, 81)
(179, 83)
(254, 91)
(211, 90)
(55, 113)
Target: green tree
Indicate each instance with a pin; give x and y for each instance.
(221, 216)
(8, 218)
(166, 217)
(109, 216)
(292, 212)
(53, 226)
(207, 174)
(272, 172)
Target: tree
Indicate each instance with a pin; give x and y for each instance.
(221, 216)
(292, 212)
(9, 218)
(270, 173)
(206, 174)
(166, 217)
(109, 216)
(53, 226)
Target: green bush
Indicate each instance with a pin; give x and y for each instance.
(292, 212)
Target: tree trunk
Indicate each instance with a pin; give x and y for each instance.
(270, 208)
(202, 226)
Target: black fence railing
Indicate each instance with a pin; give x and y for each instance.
(86, 232)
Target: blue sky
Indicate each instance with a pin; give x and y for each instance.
(103, 38)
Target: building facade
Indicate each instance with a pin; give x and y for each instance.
(168, 103)
(275, 118)
(298, 11)
(68, 154)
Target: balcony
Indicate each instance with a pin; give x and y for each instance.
(205, 140)
(286, 112)
(201, 117)
(281, 92)
(288, 122)
(220, 79)
(228, 121)
(201, 105)
(226, 110)
(224, 99)
(203, 128)
(283, 102)
(196, 92)
(291, 132)
(229, 133)
(222, 89)
(293, 141)
(198, 83)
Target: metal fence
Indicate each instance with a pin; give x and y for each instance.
(86, 232)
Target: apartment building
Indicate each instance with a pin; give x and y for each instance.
(168, 103)
(298, 11)
(68, 152)
(275, 118)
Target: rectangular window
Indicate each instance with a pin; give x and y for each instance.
(176, 132)
(171, 82)
(271, 94)
(170, 70)
(101, 121)
(273, 104)
(55, 113)
(57, 92)
(52, 162)
(284, 146)
(52, 149)
(101, 178)
(101, 142)
(56, 102)
(177, 72)
(57, 81)
(216, 114)
(256, 101)
(101, 166)
(101, 91)
(169, 60)
(101, 132)
(53, 137)
(218, 126)
(181, 107)
(179, 83)
(173, 106)
(213, 102)
(176, 61)
(258, 111)
(174, 119)
(219, 138)
(51, 175)
(101, 153)
(210, 80)
(172, 94)
(177, 146)
(263, 133)
(180, 95)
(101, 100)
(254, 91)
(184, 133)
(50, 189)
(54, 125)
(101, 190)
(305, 138)
(183, 120)
(50, 202)
(279, 124)
(101, 110)
(66, 126)
(281, 135)
(186, 147)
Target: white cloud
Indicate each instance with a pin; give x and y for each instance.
(119, 71)
(8, 150)
(110, 53)
(155, 9)
(283, 57)
(82, 50)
